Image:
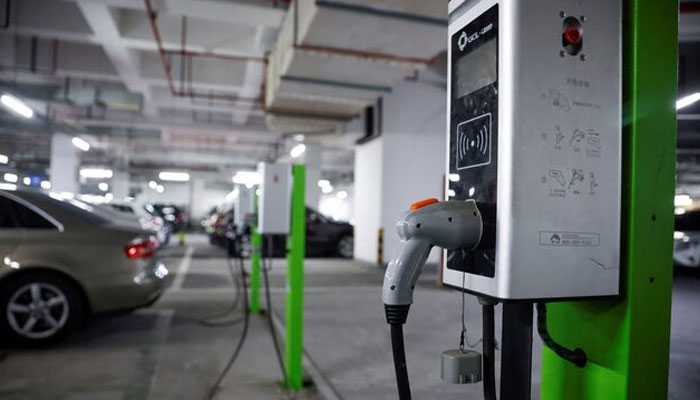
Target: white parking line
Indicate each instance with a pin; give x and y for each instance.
(182, 269)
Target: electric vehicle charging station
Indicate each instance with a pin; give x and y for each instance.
(282, 210)
(535, 151)
(275, 198)
(535, 134)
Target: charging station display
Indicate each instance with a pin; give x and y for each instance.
(473, 158)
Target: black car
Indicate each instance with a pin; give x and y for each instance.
(172, 215)
(324, 238)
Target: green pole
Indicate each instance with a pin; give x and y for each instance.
(627, 341)
(255, 255)
(296, 248)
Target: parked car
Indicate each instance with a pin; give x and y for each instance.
(686, 248)
(222, 222)
(143, 219)
(173, 216)
(324, 237)
(61, 261)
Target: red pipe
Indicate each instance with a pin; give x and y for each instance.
(363, 54)
(208, 54)
(166, 68)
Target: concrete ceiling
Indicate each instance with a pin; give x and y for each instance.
(60, 46)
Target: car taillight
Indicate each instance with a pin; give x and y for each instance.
(141, 248)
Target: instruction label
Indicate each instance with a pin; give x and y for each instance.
(558, 238)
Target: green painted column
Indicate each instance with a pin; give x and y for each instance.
(296, 249)
(255, 255)
(627, 341)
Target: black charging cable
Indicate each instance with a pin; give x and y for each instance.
(219, 319)
(273, 332)
(489, 348)
(241, 340)
(396, 317)
(577, 356)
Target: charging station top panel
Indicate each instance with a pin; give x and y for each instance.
(537, 144)
(274, 203)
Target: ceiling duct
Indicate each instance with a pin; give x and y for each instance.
(299, 124)
(317, 67)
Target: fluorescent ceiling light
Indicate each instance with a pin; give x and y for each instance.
(160, 189)
(81, 143)
(16, 105)
(103, 186)
(7, 186)
(342, 194)
(299, 137)
(27, 181)
(687, 100)
(153, 185)
(10, 177)
(297, 150)
(97, 173)
(682, 200)
(248, 178)
(324, 182)
(4, 159)
(454, 177)
(174, 176)
(45, 185)
(327, 189)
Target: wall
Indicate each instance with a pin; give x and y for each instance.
(367, 199)
(413, 155)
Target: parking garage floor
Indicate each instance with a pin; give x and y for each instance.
(163, 352)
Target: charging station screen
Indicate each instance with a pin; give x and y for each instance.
(477, 69)
(473, 165)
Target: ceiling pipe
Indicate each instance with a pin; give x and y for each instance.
(363, 54)
(257, 103)
(208, 54)
(167, 69)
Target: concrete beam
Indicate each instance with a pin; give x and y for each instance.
(104, 26)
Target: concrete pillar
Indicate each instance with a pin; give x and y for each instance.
(368, 199)
(404, 165)
(413, 156)
(65, 160)
(243, 204)
(197, 203)
(120, 185)
(312, 160)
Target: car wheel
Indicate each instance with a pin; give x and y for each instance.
(39, 308)
(346, 246)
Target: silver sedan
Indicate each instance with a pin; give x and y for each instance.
(60, 261)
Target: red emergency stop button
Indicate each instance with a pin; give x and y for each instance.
(572, 35)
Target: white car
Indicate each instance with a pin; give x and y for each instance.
(127, 213)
